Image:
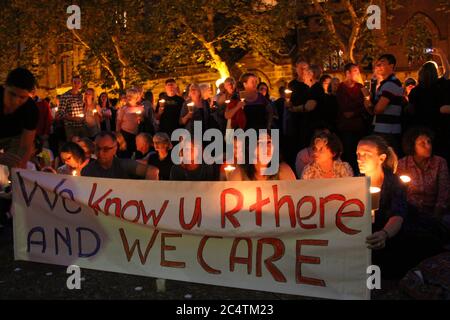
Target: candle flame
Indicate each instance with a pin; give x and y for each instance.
(374, 190)
(138, 112)
(227, 101)
(405, 179)
(229, 168)
(190, 104)
(287, 91)
(162, 101)
(74, 173)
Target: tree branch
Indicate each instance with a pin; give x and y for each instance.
(327, 16)
(100, 56)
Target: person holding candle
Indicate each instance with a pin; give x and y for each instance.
(195, 109)
(327, 149)
(254, 110)
(129, 117)
(169, 107)
(107, 112)
(71, 110)
(257, 171)
(74, 159)
(377, 160)
(351, 121)
(92, 113)
(427, 192)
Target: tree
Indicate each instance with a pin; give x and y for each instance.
(345, 24)
(216, 33)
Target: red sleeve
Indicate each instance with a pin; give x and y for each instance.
(238, 120)
(49, 119)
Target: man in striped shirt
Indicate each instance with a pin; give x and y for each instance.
(71, 110)
(388, 102)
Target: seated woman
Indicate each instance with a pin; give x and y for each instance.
(161, 158)
(260, 170)
(327, 149)
(306, 155)
(188, 170)
(427, 192)
(379, 162)
(72, 155)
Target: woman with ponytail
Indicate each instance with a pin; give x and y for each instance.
(377, 160)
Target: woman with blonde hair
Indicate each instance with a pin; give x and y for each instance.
(129, 117)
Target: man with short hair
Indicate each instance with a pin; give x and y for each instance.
(168, 112)
(351, 116)
(107, 165)
(387, 106)
(71, 110)
(144, 143)
(294, 122)
(18, 118)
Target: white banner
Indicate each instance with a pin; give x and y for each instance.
(297, 237)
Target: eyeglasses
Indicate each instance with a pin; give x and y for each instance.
(104, 149)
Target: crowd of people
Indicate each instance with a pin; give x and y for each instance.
(328, 129)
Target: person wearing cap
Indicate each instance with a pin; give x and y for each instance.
(18, 118)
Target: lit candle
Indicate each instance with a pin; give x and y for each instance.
(375, 194)
(81, 115)
(287, 91)
(405, 179)
(74, 173)
(56, 109)
(228, 170)
(138, 112)
(94, 111)
(227, 101)
(162, 101)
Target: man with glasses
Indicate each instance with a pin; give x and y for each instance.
(18, 118)
(107, 165)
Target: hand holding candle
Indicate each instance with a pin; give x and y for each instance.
(190, 106)
(375, 195)
(288, 94)
(228, 170)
